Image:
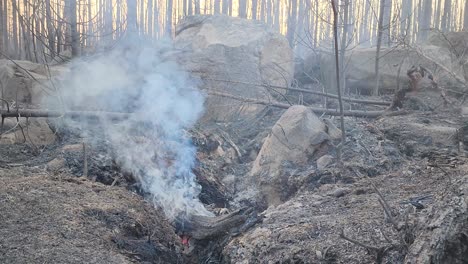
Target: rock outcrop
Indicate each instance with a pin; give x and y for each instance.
(292, 141)
(231, 55)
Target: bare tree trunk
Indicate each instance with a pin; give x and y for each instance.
(197, 7)
(243, 8)
(149, 17)
(118, 18)
(156, 19)
(142, 18)
(386, 36)
(189, 8)
(50, 29)
(465, 21)
(365, 23)
(447, 16)
(217, 7)
(406, 17)
(254, 9)
(338, 81)
(75, 38)
(437, 14)
(131, 17)
(2, 14)
(225, 7)
(379, 44)
(269, 12)
(344, 42)
(292, 16)
(316, 25)
(425, 24)
(277, 15)
(262, 10)
(5, 27)
(15, 46)
(108, 23)
(168, 30)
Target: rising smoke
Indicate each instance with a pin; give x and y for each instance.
(138, 77)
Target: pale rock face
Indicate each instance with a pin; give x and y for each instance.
(293, 139)
(394, 62)
(238, 51)
(26, 82)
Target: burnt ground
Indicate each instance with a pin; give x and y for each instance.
(51, 214)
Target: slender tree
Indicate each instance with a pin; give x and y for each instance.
(243, 8)
(379, 44)
(75, 38)
(465, 22)
(447, 15)
(425, 21)
(168, 30)
(254, 9)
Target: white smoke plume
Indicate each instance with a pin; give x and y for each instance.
(137, 77)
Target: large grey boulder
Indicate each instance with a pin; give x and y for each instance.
(26, 82)
(292, 141)
(237, 51)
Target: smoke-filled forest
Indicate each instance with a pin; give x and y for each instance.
(234, 131)
(39, 30)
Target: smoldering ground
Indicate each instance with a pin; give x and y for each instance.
(137, 77)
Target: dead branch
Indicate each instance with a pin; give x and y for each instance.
(346, 99)
(54, 113)
(368, 114)
(85, 161)
(369, 247)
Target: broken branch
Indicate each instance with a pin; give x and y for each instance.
(346, 99)
(368, 114)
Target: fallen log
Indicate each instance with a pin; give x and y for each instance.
(204, 227)
(54, 113)
(318, 110)
(346, 99)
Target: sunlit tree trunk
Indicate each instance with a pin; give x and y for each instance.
(142, 17)
(168, 30)
(243, 8)
(149, 17)
(109, 23)
(217, 7)
(254, 9)
(197, 7)
(50, 29)
(406, 17)
(118, 16)
(1, 28)
(277, 15)
(262, 10)
(465, 21)
(225, 7)
(5, 26)
(387, 23)
(292, 22)
(75, 38)
(447, 15)
(379, 44)
(190, 7)
(438, 8)
(425, 21)
(269, 12)
(15, 46)
(156, 19)
(131, 16)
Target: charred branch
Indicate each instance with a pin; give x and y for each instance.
(367, 114)
(268, 86)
